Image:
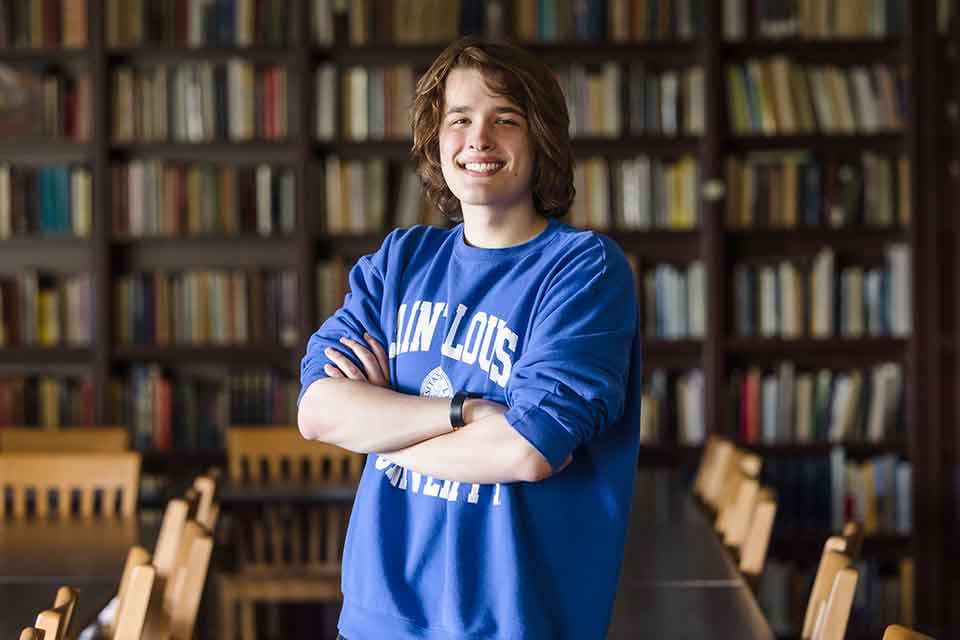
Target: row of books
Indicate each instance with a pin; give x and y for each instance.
(819, 493)
(672, 408)
(45, 401)
(46, 309)
(188, 411)
(45, 200)
(638, 193)
(374, 102)
(793, 299)
(406, 22)
(197, 23)
(200, 102)
(814, 19)
(790, 189)
(357, 193)
(675, 301)
(616, 20)
(786, 406)
(611, 100)
(164, 198)
(43, 24)
(776, 96)
(207, 307)
(44, 103)
(884, 596)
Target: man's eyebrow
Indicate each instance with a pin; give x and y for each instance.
(504, 109)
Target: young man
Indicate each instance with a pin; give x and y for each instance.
(502, 513)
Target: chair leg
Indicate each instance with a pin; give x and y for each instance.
(248, 623)
(228, 610)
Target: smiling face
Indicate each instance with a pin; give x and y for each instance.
(485, 151)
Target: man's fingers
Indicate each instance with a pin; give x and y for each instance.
(370, 363)
(332, 371)
(349, 369)
(380, 352)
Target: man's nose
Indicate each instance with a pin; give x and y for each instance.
(480, 138)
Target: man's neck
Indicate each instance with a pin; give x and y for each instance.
(499, 231)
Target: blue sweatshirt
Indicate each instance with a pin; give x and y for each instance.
(548, 328)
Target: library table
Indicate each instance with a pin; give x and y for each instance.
(39, 555)
(677, 580)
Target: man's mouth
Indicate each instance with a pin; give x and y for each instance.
(482, 168)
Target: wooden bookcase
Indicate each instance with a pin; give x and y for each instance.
(927, 139)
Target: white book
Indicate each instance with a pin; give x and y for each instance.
(193, 103)
(875, 412)
(322, 23)
(697, 298)
(904, 498)
(769, 391)
(645, 187)
(803, 404)
(901, 314)
(734, 19)
(630, 194)
(669, 103)
(791, 318)
(288, 203)
(837, 487)
(207, 101)
(6, 221)
(264, 178)
(695, 123)
(326, 82)
(822, 298)
(357, 82)
(851, 302)
(694, 428)
(334, 215)
(842, 391)
(768, 302)
(786, 393)
(866, 101)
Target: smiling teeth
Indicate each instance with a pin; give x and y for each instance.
(482, 166)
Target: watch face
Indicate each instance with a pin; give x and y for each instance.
(436, 384)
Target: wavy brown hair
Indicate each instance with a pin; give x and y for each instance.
(519, 76)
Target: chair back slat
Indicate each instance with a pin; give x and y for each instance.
(898, 632)
(132, 611)
(29, 633)
(753, 554)
(831, 563)
(50, 623)
(81, 439)
(66, 602)
(192, 574)
(279, 454)
(64, 474)
(836, 611)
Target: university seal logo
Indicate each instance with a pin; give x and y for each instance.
(436, 385)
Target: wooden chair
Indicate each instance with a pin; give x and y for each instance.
(896, 632)
(207, 509)
(288, 554)
(137, 556)
(30, 633)
(831, 563)
(113, 477)
(132, 611)
(168, 539)
(715, 476)
(70, 440)
(832, 623)
(66, 602)
(737, 500)
(753, 553)
(707, 460)
(50, 624)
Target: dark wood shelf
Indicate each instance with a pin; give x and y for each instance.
(41, 242)
(46, 355)
(667, 455)
(746, 243)
(176, 462)
(671, 354)
(854, 450)
(205, 241)
(349, 246)
(236, 153)
(167, 54)
(232, 355)
(803, 546)
(833, 352)
(43, 150)
(852, 51)
(658, 245)
(43, 56)
(673, 54)
(892, 142)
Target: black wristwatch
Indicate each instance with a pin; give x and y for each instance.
(456, 408)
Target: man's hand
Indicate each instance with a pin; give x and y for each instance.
(376, 365)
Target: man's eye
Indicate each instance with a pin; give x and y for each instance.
(459, 121)
(506, 121)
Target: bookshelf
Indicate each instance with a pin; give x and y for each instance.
(927, 352)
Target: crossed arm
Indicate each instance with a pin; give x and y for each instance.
(355, 409)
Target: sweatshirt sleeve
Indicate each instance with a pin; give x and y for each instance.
(570, 381)
(360, 313)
